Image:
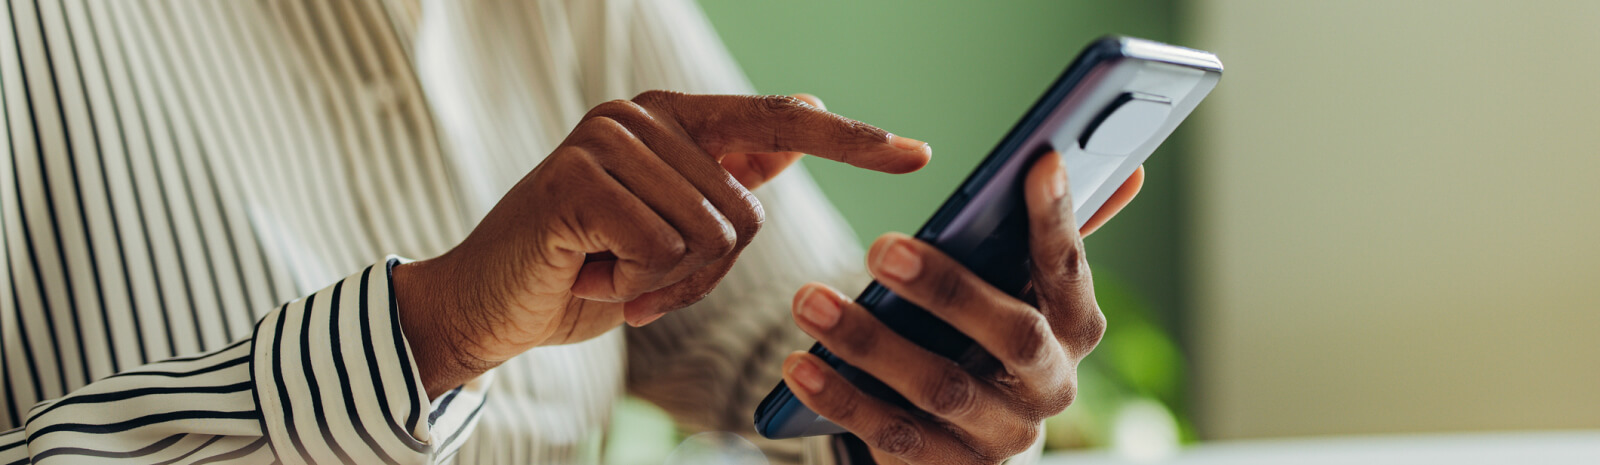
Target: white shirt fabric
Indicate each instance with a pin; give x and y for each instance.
(177, 170)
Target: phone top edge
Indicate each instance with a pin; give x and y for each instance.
(1102, 49)
(1144, 49)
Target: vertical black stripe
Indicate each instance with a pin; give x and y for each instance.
(171, 213)
(212, 178)
(16, 306)
(105, 176)
(424, 145)
(133, 178)
(83, 211)
(312, 386)
(401, 351)
(270, 137)
(11, 399)
(347, 119)
(372, 363)
(372, 115)
(190, 195)
(22, 211)
(55, 223)
(314, 140)
(278, 377)
(336, 338)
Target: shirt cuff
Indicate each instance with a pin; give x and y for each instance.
(335, 380)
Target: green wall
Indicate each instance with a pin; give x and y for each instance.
(958, 74)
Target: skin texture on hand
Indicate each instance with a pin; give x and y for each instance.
(640, 211)
(974, 413)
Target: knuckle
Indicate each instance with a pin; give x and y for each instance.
(898, 436)
(718, 243)
(722, 243)
(783, 115)
(1060, 398)
(1083, 333)
(672, 249)
(1031, 340)
(953, 394)
(853, 341)
(620, 111)
(570, 170)
(780, 103)
(949, 289)
(1016, 443)
(1074, 266)
(667, 251)
(748, 218)
(603, 128)
(1063, 272)
(842, 408)
(1090, 332)
(655, 97)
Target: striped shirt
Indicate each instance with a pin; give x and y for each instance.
(177, 169)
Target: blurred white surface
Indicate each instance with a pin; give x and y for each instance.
(1543, 448)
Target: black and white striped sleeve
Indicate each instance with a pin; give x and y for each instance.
(325, 379)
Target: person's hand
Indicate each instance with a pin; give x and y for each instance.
(640, 211)
(978, 413)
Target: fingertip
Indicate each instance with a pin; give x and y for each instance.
(800, 296)
(1134, 183)
(1114, 204)
(793, 358)
(899, 155)
(811, 100)
(804, 373)
(641, 311)
(882, 244)
(1047, 181)
(910, 164)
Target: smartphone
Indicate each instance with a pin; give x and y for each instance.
(1116, 102)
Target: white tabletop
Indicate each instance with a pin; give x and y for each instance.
(1558, 447)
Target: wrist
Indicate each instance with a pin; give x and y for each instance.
(436, 332)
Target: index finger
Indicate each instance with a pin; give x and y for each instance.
(724, 124)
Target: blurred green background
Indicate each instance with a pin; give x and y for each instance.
(958, 74)
(1381, 222)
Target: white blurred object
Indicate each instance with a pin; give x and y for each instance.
(716, 448)
(1543, 448)
(1144, 432)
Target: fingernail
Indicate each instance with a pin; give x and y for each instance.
(900, 262)
(647, 320)
(807, 376)
(819, 310)
(813, 101)
(907, 143)
(1058, 186)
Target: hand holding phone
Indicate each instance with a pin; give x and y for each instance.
(949, 350)
(987, 408)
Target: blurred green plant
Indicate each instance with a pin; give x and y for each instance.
(1137, 365)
